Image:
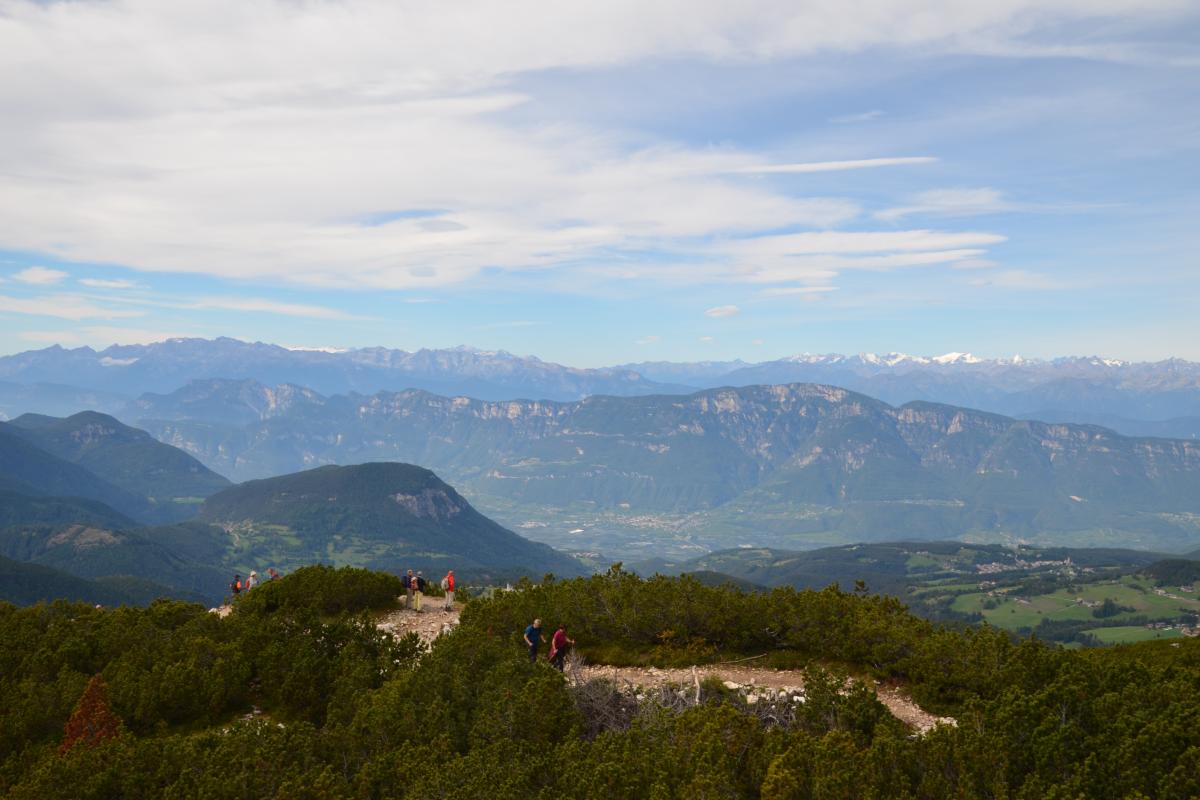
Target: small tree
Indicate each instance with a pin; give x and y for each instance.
(93, 720)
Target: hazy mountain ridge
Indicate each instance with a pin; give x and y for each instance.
(1123, 395)
(1083, 389)
(132, 370)
(29, 470)
(224, 402)
(389, 516)
(129, 458)
(833, 459)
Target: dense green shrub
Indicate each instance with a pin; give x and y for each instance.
(349, 712)
(621, 618)
(323, 589)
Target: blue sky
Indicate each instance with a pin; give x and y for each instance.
(604, 183)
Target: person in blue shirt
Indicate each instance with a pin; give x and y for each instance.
(533, 637)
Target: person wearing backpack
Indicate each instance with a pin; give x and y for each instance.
(409, 584)
(235, 585)
(448, 588)
(418, 591)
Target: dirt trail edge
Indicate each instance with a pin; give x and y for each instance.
(433, 621)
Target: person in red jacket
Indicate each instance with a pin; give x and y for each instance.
(560, 644)
(448, 587)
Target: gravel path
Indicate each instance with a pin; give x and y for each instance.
(433, 621)
(751, 678)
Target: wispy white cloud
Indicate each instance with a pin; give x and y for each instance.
(40, 276)
(1019, 279)
(975, 263)
(104, 283)
(722, 311)
(790, 291)
(268, 307)
(951, 202)
(865, 116)
(516, 323)
(63, 306)
(977, 202)
(835, 166)
(817, 258)
(820, 242)
(706, 339)
(648, 340)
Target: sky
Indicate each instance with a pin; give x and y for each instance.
(601, 183)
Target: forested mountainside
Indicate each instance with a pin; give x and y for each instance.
(23, 583)
(384, 515)
(28, 470)
(127, 457)
(388, 516)
(805, 464)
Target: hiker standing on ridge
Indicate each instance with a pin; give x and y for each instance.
(560, 643)
(448, 587)
(252, 581)
(235, 585)
(418, 591)
(533, 637)
(409, 584)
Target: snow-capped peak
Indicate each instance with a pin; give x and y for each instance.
(814, 358)
(956, 358)
(891, 359)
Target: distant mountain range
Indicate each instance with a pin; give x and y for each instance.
(1142, 399)
(1160, 398)
(61, 378)
(798, 465)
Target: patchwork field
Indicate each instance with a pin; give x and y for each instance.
(1080, 597)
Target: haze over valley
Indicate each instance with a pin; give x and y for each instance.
(642, 469)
